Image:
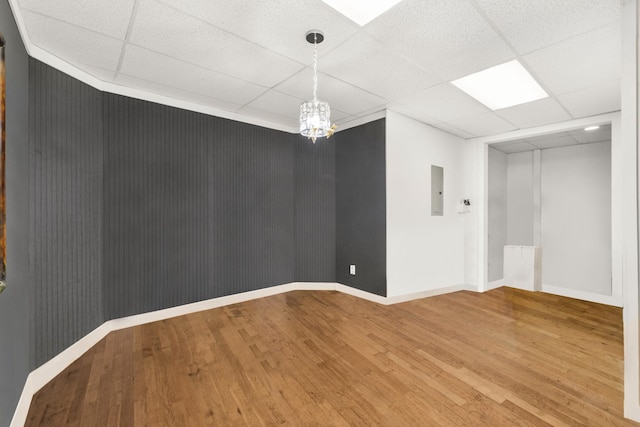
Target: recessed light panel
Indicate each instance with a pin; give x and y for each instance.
(361, 11)
(502, 86)
(590, 128)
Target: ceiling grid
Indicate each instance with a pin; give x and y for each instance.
(250, 58)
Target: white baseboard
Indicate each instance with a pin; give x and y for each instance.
(167, 313)
(616, 301)
(315, 286)
(632, 410)
(360, 294)
(396, 299)
(494, 285)
(48, 371)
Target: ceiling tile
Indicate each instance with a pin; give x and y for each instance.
(586, 60)
(100, 73)
(280, 25)
(552, 141)
(378, 111)
(147, 65)
(278, 103)
(531, 25)
(586, 137)
(177, 94)
(513, 147)
(338, 117)
(536, 113)
(73, 44)
(228, 53)
(338, 94)
(452, 130)
(413, 113)
(556, 140)
(483, 124)
(269, 116)
(163, 29)
(594, 100)
(107, 17)
(370, 65)
(447, 38)
(443, 103)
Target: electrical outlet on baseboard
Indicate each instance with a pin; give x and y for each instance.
(352, 269)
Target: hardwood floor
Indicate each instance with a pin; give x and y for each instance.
(503, 358)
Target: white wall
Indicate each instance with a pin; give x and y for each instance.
(424, 252)
(624, 196)
(626, 182)
(573, 213)
(520, 199)
(475, 189)
(510, 209)
(497, 213)
(576, 217)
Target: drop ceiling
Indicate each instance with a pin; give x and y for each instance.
(248, 58)
(556, 140)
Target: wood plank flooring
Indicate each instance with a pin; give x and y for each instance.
(503, 358)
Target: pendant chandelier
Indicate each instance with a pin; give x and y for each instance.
(315, 115)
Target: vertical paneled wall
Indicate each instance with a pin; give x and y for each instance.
(66, 208)
(154, 208)
(361, 207)
(315, 219)
(137, 206)
(199, 207)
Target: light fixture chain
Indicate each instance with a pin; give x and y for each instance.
(315, 71)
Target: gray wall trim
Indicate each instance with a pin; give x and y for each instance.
(16, 311)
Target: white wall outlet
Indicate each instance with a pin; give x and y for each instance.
(352, 269)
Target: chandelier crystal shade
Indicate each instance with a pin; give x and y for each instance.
(315, 115)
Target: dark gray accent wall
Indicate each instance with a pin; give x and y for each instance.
(169, 205)
(118, 206)
(361, 207)
(315, 220)
(16, 328)
(198, 207)
(66, 216)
